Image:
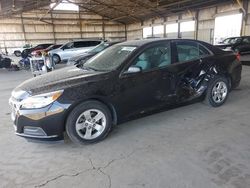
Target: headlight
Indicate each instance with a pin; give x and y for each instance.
(40, 101)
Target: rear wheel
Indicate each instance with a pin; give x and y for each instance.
(217, 91)
(89, 122)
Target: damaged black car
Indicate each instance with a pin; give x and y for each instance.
(127, 79)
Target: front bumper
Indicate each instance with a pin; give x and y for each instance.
(44, 124)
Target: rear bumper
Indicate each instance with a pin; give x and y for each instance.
(236, 76)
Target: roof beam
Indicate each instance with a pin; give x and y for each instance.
(51, 8)
(91, 10)
(148, 7)
(118, 10)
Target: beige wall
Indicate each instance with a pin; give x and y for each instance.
(58, 28)
(15, 32)
(206, 22)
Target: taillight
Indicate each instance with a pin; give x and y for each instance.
(238, 56)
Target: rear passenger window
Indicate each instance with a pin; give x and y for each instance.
(81, 44)
(246, 41)
(203, 51)
(94, 43)
(188, 51)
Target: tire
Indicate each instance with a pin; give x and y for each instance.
(17, 53)
(217, 91)
(56, 59)
(82, 129)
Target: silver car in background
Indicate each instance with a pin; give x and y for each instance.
(71, 49)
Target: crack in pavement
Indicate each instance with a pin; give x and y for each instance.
(99, 169)
(62, 175)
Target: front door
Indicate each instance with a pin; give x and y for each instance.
(150, 88)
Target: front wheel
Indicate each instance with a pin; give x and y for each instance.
(217, 91)
(56, 59)
(89, 122)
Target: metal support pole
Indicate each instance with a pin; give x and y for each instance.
(53, 27)
(23, 29)
(80, 23)
(103, 29)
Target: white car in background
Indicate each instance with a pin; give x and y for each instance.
(17, 51)
(71, 49)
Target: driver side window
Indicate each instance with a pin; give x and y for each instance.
(69, 45)
(154, 57)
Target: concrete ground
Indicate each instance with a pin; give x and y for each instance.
(195, 146)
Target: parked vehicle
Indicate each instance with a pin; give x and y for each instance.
(29, 51)
(5, 62)
(243, 54)
(81, 58)
(45, 51)
(240, 45)
(233, 43)
(125, 80)
(18, 51)
(71, 49)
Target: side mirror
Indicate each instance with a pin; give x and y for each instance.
(133, 70)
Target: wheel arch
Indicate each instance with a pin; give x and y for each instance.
(100, 100)
(55, 54)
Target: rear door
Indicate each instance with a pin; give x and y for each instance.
(189, 59)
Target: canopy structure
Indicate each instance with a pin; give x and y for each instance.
(123, 11)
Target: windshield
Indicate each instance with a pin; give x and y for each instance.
(68, 45)
(109, 59)
(54, 47)
(99, 48)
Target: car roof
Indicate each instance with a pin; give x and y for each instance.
(141, 42)
(82, 40)
(149, 41)
(113, 42)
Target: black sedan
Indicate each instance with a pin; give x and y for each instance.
(234, 43)
(81, 58)
(125, 80)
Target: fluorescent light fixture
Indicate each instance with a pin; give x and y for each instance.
(64, 5)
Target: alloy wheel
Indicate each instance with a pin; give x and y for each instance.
(90, 124)
(219, 92)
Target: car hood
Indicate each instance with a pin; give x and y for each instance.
(60, 79)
